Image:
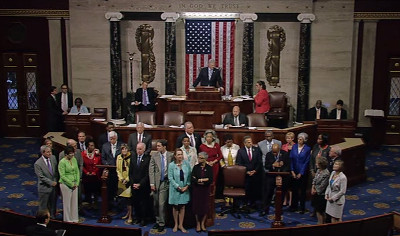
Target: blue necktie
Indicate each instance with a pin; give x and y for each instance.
(162, 167)
(138, 161)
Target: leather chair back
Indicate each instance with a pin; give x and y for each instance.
(223, 117)
(102, 111)
(279, 108)
(147, 117)
(235, 176)
(173, 118)
(257, 120)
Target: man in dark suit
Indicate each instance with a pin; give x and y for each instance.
(275, 161)
(209, 76)
(195, 138)
(105, 137)
(236, 118)
(40, 229)
(145, 98)
(109, 153)
(65, 98)
(334, 154)
(140, 137)
(317, 112)
(139, 182)
(338, 113)
(250, 157)
(54, 112)
(47, 172)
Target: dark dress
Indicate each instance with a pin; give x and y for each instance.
(201, 193)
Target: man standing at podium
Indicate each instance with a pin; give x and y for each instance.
(209, 76)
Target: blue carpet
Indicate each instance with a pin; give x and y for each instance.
(379, 194)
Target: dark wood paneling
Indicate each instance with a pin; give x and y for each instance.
(377, 6)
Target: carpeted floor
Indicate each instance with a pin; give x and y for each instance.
(379, 194)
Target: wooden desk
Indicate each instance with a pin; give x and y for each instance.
(218, 106)
(353, 156)
(76, 123)
(336, 129)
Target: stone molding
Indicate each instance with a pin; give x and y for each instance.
(376, 15)
(35, 13)
(170, 16)
(306, 18)
(248, 17)
(114, 16)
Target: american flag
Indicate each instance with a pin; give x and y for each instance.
(210, 40)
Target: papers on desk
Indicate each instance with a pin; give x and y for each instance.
(81, 114)
(166, 96)
(178, 98)
(373, 112)
(131, 125)
(134, 126)
(238, 100)
(148, 126)
(252, 128)
(219, 126)
(99, 119)
(176, 126)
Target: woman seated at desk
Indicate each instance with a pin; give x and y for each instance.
(79, 108)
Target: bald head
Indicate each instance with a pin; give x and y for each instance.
(275, 149)
(236, 111)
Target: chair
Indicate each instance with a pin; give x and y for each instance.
(223, 116)
(234, 182)
(102, 111)
(279, 109)
(173, 118)
(257, 120)
(147, 117)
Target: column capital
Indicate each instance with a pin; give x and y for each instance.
(170, 16)
(114, 16)
(306, 18)
(248, 17)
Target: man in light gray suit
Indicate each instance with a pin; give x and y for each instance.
(159, 185)
(266, 147)
(47, 172)
(140, 137)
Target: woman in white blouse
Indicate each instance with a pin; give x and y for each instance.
(189, 152)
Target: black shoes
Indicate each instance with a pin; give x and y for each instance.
(156, 226)
(160, 228)
(142, 223)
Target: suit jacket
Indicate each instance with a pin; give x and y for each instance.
(70, 100)
(343, 114)
(133, 141)
(300, 161)
(107, 157)
(139, 174)
(270, 159)
(337, 190)
(78, 156)
(40, 230)
(151, 94)
(54, 114)
(155, 168)
(242, 158)
(215, 80)
(45, 178)
(197, 139)
(321, 181)
(312, 113)
(229, 119)
(196, 174)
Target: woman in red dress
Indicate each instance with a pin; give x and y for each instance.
(261, 99)
(212, 148)
(91, 174)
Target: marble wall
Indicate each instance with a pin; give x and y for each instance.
(331, 46)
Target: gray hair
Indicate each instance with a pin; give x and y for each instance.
(211, 61)
(142, 144)
(71, 142)
(204, 154)
(303, 135)
(140, 124)
(113, 134)
(43, 148)
(336, 149)
(188, 123)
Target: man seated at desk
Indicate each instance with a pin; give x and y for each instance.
(235, 118)
(145, 98)
(209, 76)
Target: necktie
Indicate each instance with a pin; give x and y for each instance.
(144, 98)
(318, 114)
(162, 167)
(237, 121)
(210, 71)
(140, 138)
(82, 147)
(139, 160)
(249, 154)
(191, 141)
(269, 146)
(49, 165)
(113, 150)
(230, 158)
(64, 102)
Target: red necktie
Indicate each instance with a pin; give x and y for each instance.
(140, 138)
(249, 154)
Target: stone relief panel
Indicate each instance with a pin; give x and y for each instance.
(144, 41)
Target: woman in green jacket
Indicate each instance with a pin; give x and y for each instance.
(69, 183)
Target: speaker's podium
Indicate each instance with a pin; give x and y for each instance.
(105, 218)
(204, 93)
(278, 222)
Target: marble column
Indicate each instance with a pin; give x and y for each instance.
(303, 83)
(248, 53)
(56, 60)
(116, 63)
(68, 47)
(170, 51)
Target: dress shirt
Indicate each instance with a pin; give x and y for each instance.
(64, 101)
(338, 113)
(113, 149)
(225, 151)
(318, 113)
(192, 139)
